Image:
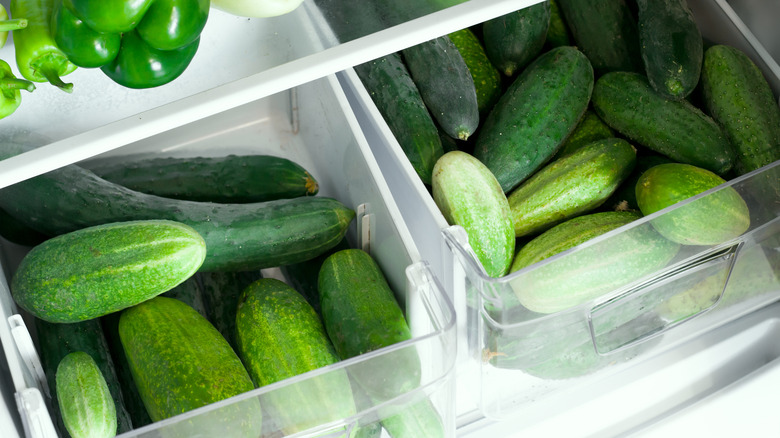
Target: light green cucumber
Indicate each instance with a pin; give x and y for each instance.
(85, 402)
(468, 195)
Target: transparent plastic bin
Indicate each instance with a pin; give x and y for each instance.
(313, 125)
(525, 366)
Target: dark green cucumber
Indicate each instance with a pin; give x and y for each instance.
(558, 33)
(87, 408)
(486, 78)
(591, 271)
(229, 179)
(589, 129)
(221, 292)
(710, 220)
(513, 40)
(399, 102)
(606, 31)
(98, 270)
(176, 356)
(304, 276)
(16, 232)
(535, 115)
(279, 336)
(361, 315)
(55, 341)
(677, 129)
(570, 186)
(445, 84)
(671, 46)
(738, 97)
(238, 236)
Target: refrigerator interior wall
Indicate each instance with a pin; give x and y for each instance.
(311, 124)
(503, 393)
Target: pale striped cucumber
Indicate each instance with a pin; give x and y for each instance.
(85, 402)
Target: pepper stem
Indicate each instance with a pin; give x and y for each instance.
(8, 84)
(53, 78)
(15, 24)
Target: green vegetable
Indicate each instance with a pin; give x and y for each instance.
(84, 46)
(38, 57)
(15, 231)
(279, 336)
(589, 129)
(176, 356)
(675, 128)
(304, 276)
(10, 86)
(558, 33)
(8, 25)
(710, 220)
(486, 78)
(535, 115)
(513, 40)
(468, 195)
(624, 198)
(102, 269)
(87, 408)
(671, 46)
(228, 179)
(572, 185)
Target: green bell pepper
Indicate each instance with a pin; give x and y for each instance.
(157, 38)
(7, 25)
(37, 56)
(10, 97)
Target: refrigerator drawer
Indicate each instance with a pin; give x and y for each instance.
(516, 361)
(311, 124)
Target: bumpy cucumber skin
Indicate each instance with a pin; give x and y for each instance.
(228, 179)
(671, 46)
(281, 336)
(535, 115)
(361, 314)
(175, 356)
(606, 31)
(594, 270)
(221, 293)
(239, 237)
(513, 40)
(571, 185)
(86, 405)
(398, 100)
(738, 97)
(713, 219)
(445, 84)
(487, 79)
(589, 129)
(677, 129)
(468, 195)
(98, 270)
(55, 341)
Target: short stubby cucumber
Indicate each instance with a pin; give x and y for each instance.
(86, 405)
(468, 195)
(513, 40)
(279, 336)
(102, 269)
(712, 219)
(675, 128)
(535, 115)
(572, 185)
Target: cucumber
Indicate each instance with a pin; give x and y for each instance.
(175, 356)
(606, 31)
(558, 33)
(624, 198)
(189, 292)
(445, 84)
(414, 420)
(361, 314)
(279, 336)
(85, 401)
(468, 195)
(55, 341)
(16, 232)
(677, 129)
(570, 186)
(738, 97)
(671, 46)
(710, 220)
(486, 78)
(221, 293)
(589, 129)
(590, 271)
(228, 179)
(399, 102)
(98, 270)
(513, 40)
(238, 236)
(535, 115)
